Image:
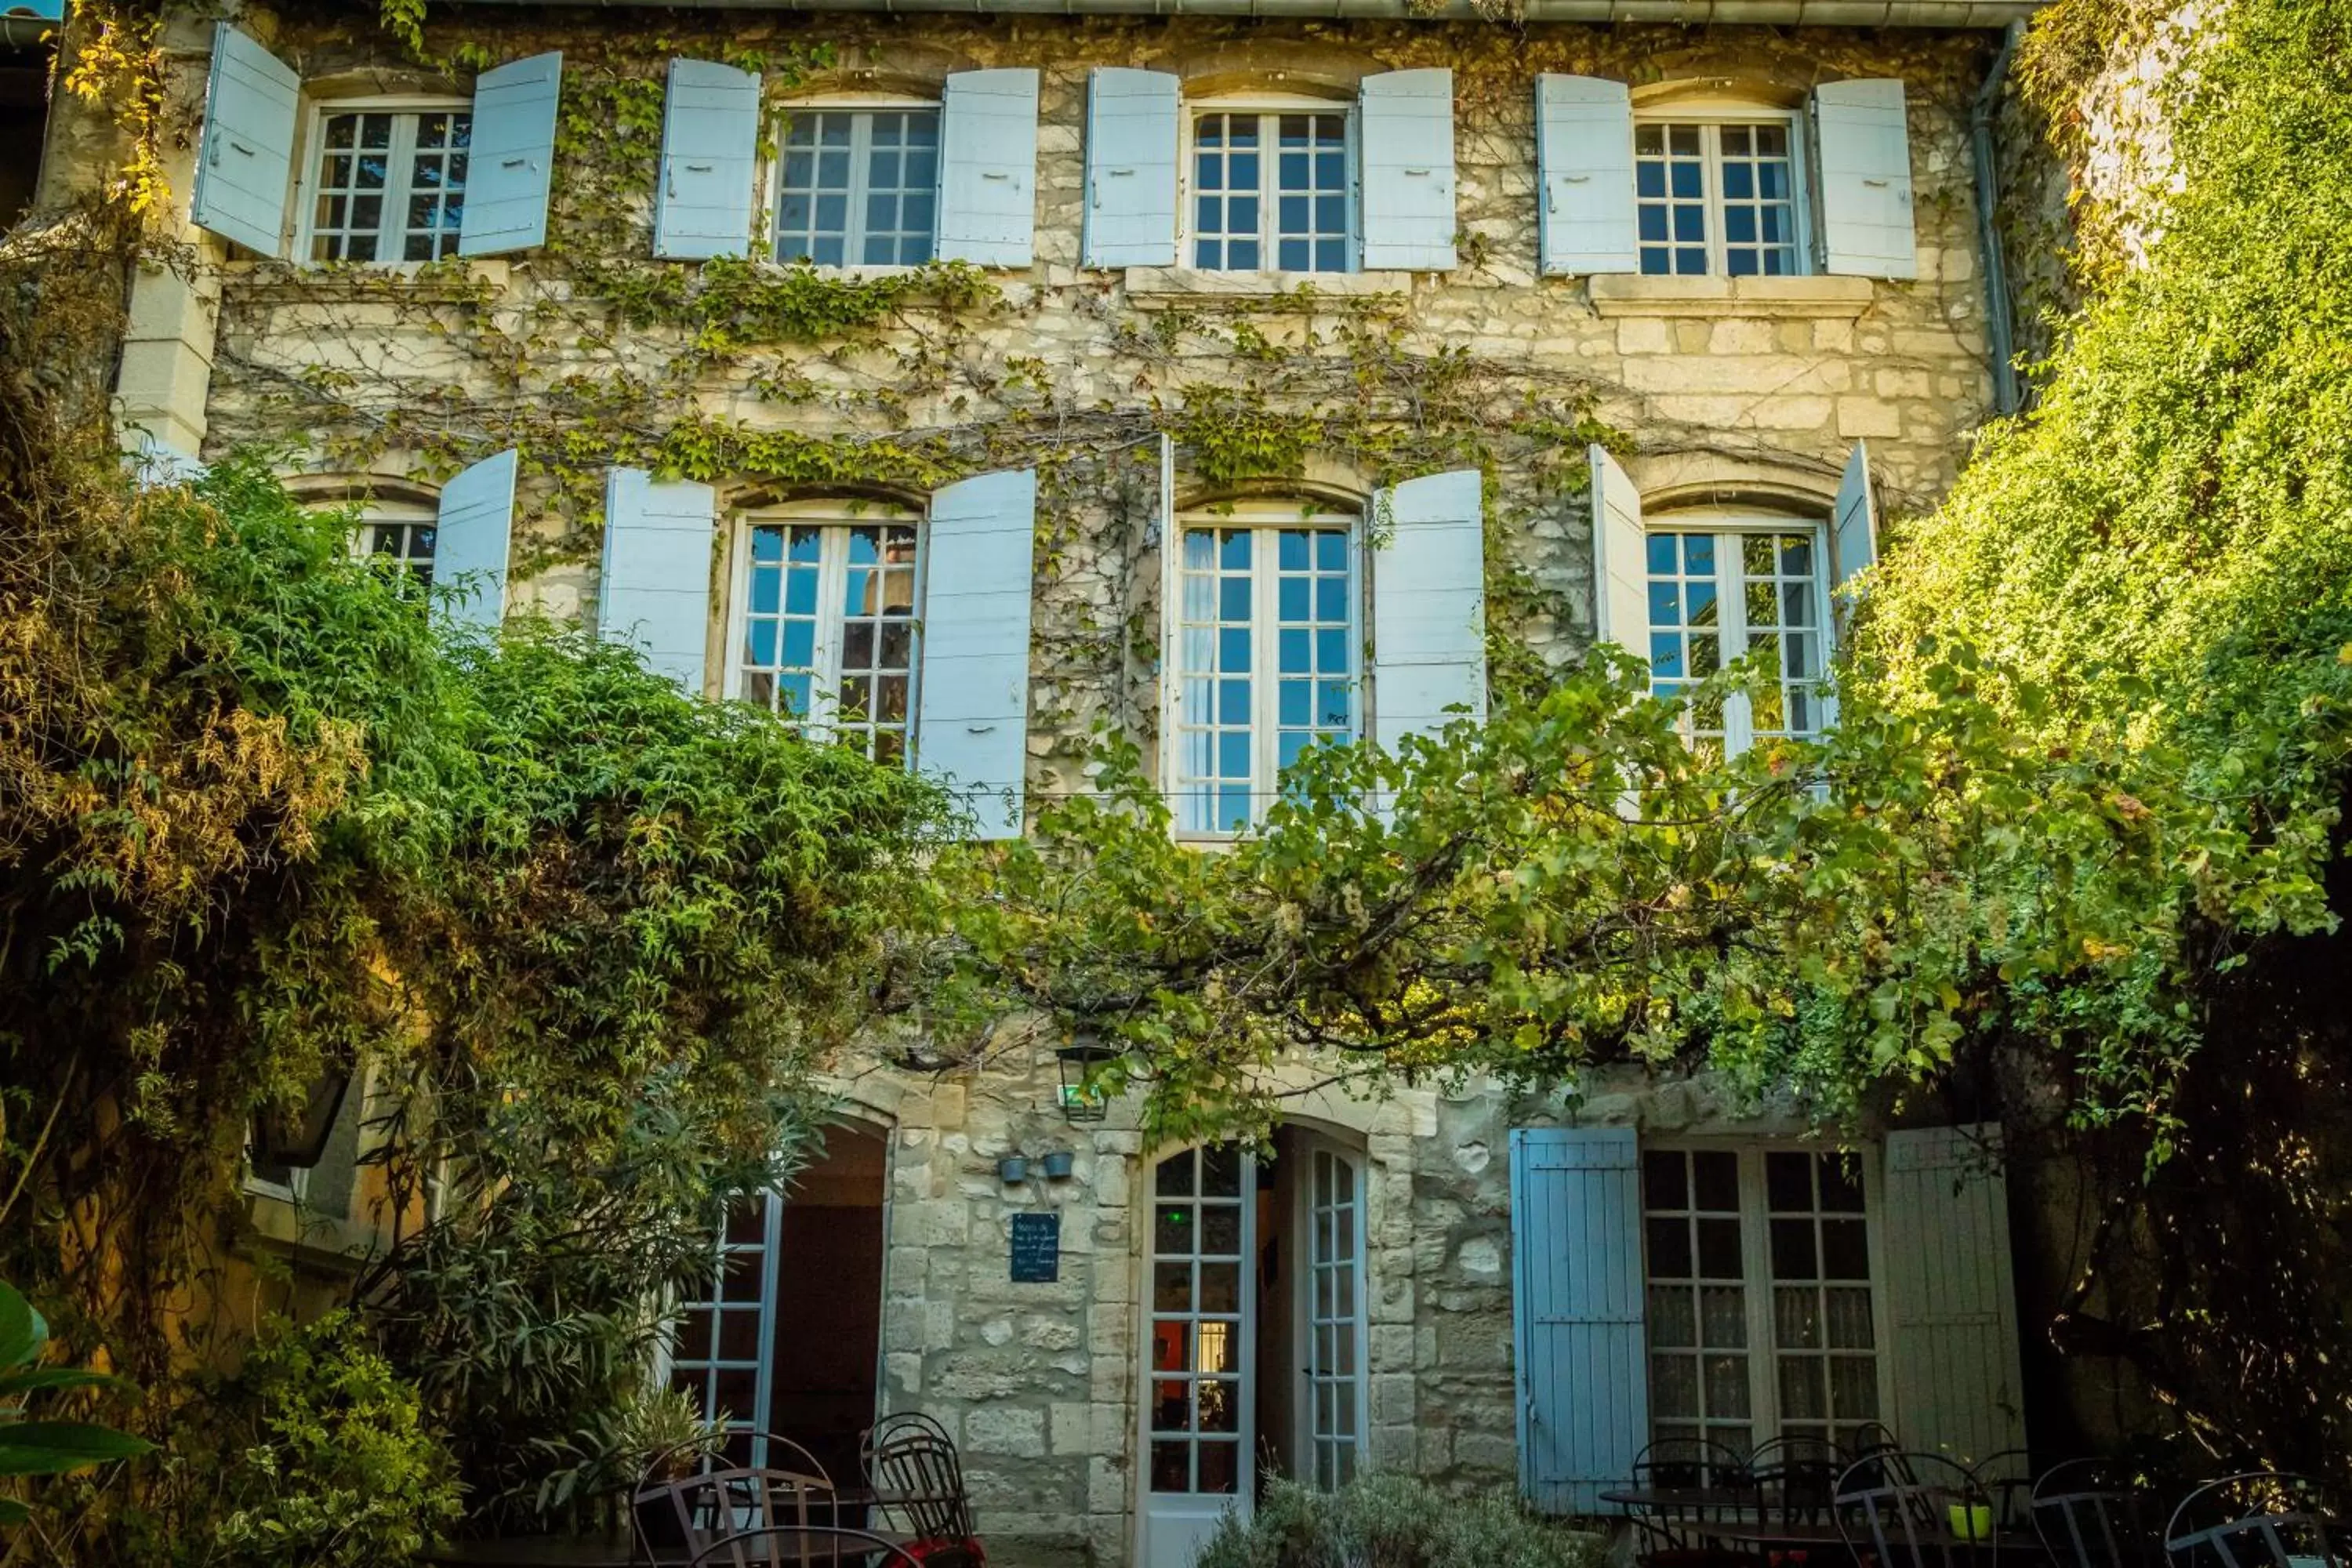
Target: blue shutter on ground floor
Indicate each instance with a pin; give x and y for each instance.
(971, 728)
(1853, 530)
(1950, 1304)
(247, 155)
(470, 542)
(511, 167)
(654, 592)
(1576, 1305)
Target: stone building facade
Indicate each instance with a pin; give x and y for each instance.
(1790, 398)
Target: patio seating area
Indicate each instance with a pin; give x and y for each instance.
(1806, 1503)
(760, 1499)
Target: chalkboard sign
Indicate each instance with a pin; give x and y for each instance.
(1036, 1249)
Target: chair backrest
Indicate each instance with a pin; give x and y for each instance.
(2090, 1513)
(1796, 1478)
(893, 1426)
(2261, 1519)
(2006, 1477)
(741, 1449)
(917, 1479)
(1899, 1509)
(1682, 1464)
(717, 1499)
(814, 1546)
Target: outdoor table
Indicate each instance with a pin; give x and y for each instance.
(611, 1550)
(1681, 1499)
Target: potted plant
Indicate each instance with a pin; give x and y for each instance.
(663, 1438)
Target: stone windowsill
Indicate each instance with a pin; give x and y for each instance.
(1634, 294)
(1188, 288)
(293, 281)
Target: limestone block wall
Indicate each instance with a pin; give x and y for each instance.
(1754, 391)
(1040, 1382)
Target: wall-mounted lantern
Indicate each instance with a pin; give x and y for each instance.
(1081, 1101)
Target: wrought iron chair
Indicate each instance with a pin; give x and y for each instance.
(2090, 1514)
(2263, 1518)
(1898, 1511)
(693, 1493)
(1695, 1483)
(1797, 1478)
(809, 1546)
(917, 1480)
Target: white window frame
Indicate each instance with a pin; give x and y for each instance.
(1756, 1264)
(373, 515)
(1189, 121)
(1268, 517)
(400, 157)
(1309, 1439)
(770, 188)
(1730, 583)
(1714, 113)
(843, 513)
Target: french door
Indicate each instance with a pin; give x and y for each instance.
(719, 1358)
(1331, 1314)
(1199, 1355)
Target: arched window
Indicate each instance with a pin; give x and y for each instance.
(385, 179)
(1718, 187)
(1268, 634)
(826, 596)
(1271, 185)
(857, 182)
(1727, 584)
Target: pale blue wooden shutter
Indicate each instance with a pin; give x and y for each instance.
(1861, 140)
(1131, 135)
(654, 592)
(1428, 606)
(1585, 166)
(470, 540)
(1951, 1307)
(988, 167)
(971, 728)
(247, 154)
(710, 137)
(1405, 133)
(512, 166)
(1577, 1294)
(1854, 526)
(1620, 572)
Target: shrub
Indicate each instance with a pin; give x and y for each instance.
(1394, 1521)
(336, 1468)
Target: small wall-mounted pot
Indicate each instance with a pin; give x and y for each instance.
(1059, 1164)
(1012, 1168)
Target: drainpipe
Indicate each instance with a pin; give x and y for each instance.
(2000, 333)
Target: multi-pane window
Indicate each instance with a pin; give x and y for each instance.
(391, 184)
(1266, 644)
(828, 629)
(859, 186)
(1198, 1246)
(1760, 1316)
(404, 546)
(1717, 197)
(1718, 597)
(1270, 191)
